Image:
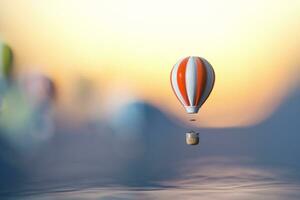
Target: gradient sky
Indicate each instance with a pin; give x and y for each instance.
(129, 47)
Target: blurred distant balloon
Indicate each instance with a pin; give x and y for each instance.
(128, 125)
(6, 58)
(84, 89)
(125, 116)
(27, 119)
(128, 120)
(38, 89)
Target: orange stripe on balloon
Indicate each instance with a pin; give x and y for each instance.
(201, 79)
(181, 80)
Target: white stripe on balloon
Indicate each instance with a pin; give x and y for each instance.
(191, 80)
(210, 80)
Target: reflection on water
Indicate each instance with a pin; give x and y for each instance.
(214, 178)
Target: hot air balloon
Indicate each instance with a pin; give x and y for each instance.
(39, 92)
(6, 58)
(39, 89)
(192, 80)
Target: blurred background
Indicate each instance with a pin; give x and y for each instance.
(87, 110)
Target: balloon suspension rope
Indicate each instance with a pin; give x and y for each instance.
(192, 120)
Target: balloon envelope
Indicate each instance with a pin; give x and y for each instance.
(6, 58)
(38, 88)
(192, 80)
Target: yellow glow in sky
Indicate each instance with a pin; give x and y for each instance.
(252, 45)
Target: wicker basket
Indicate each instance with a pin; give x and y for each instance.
(192, 138)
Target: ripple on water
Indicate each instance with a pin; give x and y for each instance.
(208, 180)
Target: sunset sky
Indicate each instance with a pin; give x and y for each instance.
(128, 48)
